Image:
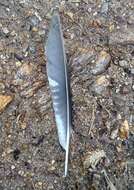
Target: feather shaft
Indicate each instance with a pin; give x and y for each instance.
(58, 81)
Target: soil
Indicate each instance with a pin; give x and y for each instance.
(99, 42)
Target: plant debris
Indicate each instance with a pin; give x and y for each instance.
(4, 101)
(124, 130)
(93, 158)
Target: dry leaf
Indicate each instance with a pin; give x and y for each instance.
(4, 101)
(124, 130)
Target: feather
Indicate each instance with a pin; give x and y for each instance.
(58, 82)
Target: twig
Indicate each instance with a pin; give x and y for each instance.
(110, 184)
(92, 119)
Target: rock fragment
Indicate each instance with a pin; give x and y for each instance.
(102, 63)
(114, 134)
(100, 85)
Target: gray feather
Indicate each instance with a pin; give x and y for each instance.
(58, 81)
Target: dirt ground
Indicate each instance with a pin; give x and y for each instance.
(99, 41)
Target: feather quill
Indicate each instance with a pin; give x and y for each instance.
(58, 82)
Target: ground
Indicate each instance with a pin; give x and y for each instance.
(99, 42)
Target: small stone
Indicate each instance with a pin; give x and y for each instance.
(52, 168)
(100, 85)
(101, 80)
(72, 36)
(5, 30)
(4, 101)
(34, 29)
(114, 134)
(21, 173)
(123, 63)
(102, 63)
(53, 161)
(119, 116)
(13, 33)
(40, 183)
(12, 167)
(18, 63)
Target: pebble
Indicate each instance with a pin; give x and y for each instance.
(5, 30)
(52, 168)
(100, 85)
(12, 167)
(40, 183)
(13, 33)
(114, 134)
(123, 63)
(21, 173)
(18, 63)
(4, 101)
(102, 63)
(119, 116)
(34, 29)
